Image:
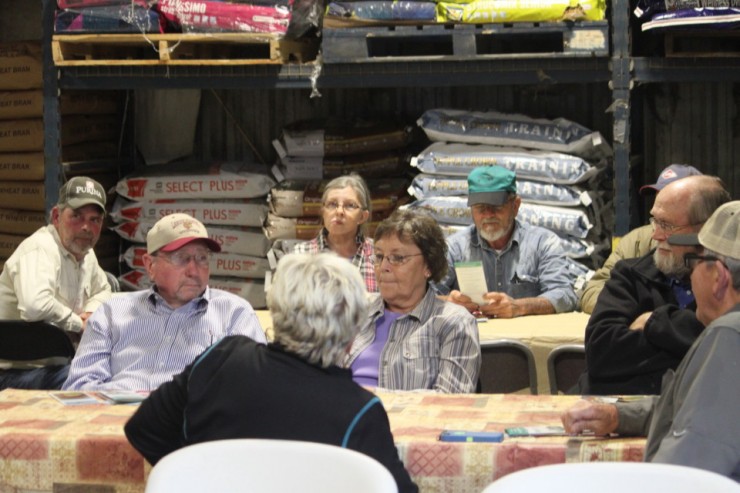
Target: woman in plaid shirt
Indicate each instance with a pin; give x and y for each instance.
(345, 211)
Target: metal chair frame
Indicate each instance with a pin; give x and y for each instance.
(494, 379)
(554, 359)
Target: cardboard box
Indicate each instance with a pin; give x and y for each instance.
(22, 135)
(25, 195)
(21, 66)
(21, 222)
(8, 244)
(23, 166)
(21, 104)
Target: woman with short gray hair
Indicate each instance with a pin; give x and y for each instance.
(411, 339)
(317, 305)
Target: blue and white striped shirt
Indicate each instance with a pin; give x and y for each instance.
(136, 341)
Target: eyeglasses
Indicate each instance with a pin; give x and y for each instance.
(392, 259)
(691, 260)
(667, 227)
(346, 206)
(182, 259)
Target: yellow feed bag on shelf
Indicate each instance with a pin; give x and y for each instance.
(501, 11)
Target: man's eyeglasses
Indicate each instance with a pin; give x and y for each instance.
(346, 206)
(691, 260)
(392, 259)
(665, 226)
(182, 259)
(490, 209)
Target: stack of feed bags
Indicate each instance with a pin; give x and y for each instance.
(313, 152)
(559, 167)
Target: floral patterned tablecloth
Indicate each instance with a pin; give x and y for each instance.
(49, 447)
(418, 418)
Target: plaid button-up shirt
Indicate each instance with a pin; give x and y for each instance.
(363, 258)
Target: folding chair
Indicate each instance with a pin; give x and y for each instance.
(565, 364)
(25, 341)
(612, 477)
(508, 366)
(268, 466)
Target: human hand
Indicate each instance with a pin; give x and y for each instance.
(84, 316)
(601, 419)
(464, 300)
(500, 305)
(639, 323)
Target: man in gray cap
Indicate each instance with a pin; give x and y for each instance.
(525, 268)
(694, 421)
(54, 276)
(139, 340)
(636, 243)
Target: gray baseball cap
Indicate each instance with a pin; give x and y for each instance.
(80, 191)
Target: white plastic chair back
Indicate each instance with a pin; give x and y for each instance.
(275, 466)
(613, 477)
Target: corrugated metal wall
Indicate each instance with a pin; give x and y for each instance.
(260, 114)
(695, 124)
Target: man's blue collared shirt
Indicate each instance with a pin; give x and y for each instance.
(533, 264)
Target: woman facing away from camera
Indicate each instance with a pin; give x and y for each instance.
(292, 388)
(345, 212)
(411, 339)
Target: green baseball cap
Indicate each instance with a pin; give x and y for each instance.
(490, 185)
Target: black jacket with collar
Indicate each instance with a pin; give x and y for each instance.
(624, 361)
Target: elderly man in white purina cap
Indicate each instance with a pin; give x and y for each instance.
(695, 420)
(139, 340)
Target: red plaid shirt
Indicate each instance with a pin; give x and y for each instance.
(363, 258)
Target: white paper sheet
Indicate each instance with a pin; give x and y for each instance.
(472, 280)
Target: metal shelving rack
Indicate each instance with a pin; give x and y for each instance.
(620, 71)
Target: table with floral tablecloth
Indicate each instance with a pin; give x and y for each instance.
(46, 446)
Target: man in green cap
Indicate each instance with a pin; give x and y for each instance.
(525, 267)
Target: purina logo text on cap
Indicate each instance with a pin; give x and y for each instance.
(80, 191)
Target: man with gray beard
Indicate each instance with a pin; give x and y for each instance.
(644, 321)
(525, 267)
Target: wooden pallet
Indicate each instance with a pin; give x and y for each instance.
(702, 43)
(464, 41)
(180, 49)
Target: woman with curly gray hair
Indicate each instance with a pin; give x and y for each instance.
(410, 338)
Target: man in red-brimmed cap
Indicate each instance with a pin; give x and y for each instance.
(137, 341)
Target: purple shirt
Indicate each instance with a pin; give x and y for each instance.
(365, 368)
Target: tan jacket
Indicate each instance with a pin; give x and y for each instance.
(636, 243)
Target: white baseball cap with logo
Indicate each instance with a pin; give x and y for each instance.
(175, 231)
